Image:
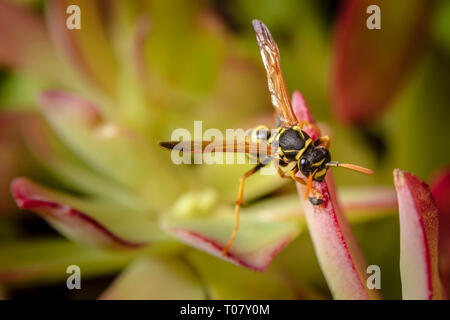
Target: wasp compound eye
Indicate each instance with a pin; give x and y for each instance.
(305, 165)
(315, 160)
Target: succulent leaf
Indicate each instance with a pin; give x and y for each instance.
(418, 238)
(337, 251)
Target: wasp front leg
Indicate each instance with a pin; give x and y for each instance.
(317, 200)
(239, 201)
(323, 141)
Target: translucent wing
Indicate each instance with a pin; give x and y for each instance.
(277, 86)
(251, 148)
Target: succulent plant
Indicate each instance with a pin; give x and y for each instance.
(98, 99)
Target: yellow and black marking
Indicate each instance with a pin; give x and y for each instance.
(259, 134)
(291, 143)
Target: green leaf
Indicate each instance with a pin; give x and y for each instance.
(115, 151)
(87, 49)
(46, 260)
(94, 222)
(256, 244)
(224, 281)
(156, 279)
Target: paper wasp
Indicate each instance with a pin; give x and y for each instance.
(287, 145)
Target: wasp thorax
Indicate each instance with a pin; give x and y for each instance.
(291, 139)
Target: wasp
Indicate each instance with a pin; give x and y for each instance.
(288, 146)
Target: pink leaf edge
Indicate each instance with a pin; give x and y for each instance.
(258, 260)
(339, 256)
(59, 101)
(418, 216)
(30, 196)
(440, 188)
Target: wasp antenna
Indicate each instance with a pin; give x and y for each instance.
(167, 144)
(350, 166)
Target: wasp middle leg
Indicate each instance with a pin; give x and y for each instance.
(239, 201)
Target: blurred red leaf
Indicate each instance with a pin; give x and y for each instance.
(369, 65)
(24, 42)
(14, 158)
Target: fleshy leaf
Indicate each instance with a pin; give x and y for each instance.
(440, 187)
(225, 179)
(237, 283)
(46, 260)
(88, 48)
(88, 221)
(370, 64)
(418, 238)
(14, 158)
(360, 204)
(338, 254)
(156, 279)
(257, 242)
(113, 150)
(67, 168)
(196, 39)
(24, 42)
(364, 203)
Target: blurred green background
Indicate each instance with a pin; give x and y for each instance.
(151, 67)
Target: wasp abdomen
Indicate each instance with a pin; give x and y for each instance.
(259, 134)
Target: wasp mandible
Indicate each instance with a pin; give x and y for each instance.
(288, 146)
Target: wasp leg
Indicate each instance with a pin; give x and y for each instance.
(239, 201)
(308, 124)
(314, 200)
(280, 171)
(323, 141)
(318, 197)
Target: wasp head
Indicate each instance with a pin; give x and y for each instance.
(314, 161)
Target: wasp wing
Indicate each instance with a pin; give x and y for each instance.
(277, 86)
(251, 148)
